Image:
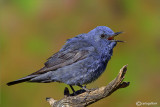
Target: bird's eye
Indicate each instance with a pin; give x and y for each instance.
(103, 35)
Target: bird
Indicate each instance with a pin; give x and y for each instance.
(79, 62)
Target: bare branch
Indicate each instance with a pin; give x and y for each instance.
(85, 98)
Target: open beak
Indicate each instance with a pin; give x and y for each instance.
(117, 33)
(112, 37)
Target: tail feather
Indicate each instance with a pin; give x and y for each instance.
(27, 78)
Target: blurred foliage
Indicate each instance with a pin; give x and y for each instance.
(32, 30)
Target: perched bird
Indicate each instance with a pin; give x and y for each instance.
(80, 61)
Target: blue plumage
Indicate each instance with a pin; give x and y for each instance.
(80, 61)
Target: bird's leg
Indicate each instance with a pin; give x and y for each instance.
(72, 89)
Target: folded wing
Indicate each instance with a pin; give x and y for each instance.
(70, 54)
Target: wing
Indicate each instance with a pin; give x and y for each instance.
(69, 54)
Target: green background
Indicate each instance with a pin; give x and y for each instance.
(32, 30)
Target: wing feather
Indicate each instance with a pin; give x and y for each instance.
(65, 57)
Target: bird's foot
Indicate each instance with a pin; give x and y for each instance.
(86, 90)
(78, 92)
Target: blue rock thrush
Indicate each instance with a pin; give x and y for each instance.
(80, 61)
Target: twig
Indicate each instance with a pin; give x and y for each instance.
(85, 98)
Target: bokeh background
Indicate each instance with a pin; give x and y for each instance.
(32, 30)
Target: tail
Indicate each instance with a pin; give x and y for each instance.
(27, 78)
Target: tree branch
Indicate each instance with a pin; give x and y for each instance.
(85, 98)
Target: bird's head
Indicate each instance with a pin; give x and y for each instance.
(103, 33)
